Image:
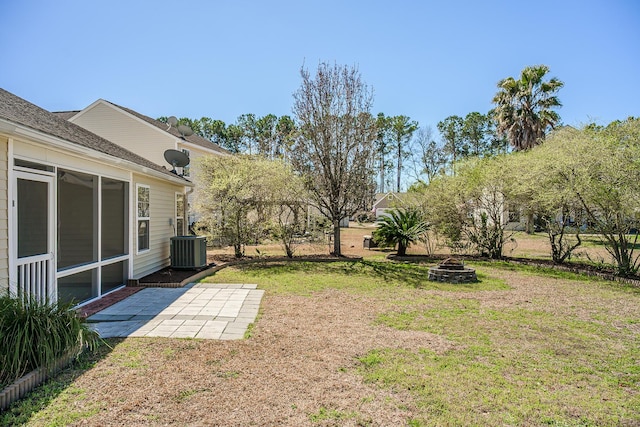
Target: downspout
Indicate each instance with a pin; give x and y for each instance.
(185, 208)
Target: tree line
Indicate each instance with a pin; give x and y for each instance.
(401, 146)
(404, 152)
(340, 153)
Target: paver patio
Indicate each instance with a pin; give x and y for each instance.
(202, 310)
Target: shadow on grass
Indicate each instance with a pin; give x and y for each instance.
(409, 274)
(20, 412)
(417, 276)
(594, 241)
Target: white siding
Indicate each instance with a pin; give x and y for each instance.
(126, 131)
(162, 209)
(4, 224)
(47, 155)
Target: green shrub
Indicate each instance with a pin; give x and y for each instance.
(400, 227)
(35, 334)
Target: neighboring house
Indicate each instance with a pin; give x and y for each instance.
(385, 202)
(514, 218)
(79, 215)
(144, 136)
(496, 208)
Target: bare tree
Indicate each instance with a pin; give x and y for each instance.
(427, 157)
(336, 144)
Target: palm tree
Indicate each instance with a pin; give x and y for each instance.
(401, 227)
(524, 107)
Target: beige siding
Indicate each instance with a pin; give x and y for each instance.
(4, 224)
(41, 154)
(135, 135)
(126, 131)
(161, 210)
(194, 155)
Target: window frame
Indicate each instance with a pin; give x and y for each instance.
(140, 219)
(127, 217)
(179, 215)
(513, 213)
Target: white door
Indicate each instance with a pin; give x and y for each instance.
(33, 236)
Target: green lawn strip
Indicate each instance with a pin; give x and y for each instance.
(324, 415)
(369, 277)
(512, 366)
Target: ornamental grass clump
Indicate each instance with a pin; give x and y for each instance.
(36, 334)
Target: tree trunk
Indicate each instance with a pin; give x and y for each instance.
(237, 246)
(381, 175)
(529, 223)
(336, 237)
(399, 166)
(402, 249)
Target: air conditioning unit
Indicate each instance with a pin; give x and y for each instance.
(188, 252)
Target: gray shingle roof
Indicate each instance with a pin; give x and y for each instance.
(193, 139)
(65, 114)
(16, 110)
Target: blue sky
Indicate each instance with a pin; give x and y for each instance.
(424, 59)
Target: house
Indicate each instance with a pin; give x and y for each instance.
(144, 136)
(79, 214)
(384, 202)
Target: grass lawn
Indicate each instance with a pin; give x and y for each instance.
(375, 343)
(568, 354)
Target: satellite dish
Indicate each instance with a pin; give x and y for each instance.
(172, 121)
(185, 130)
(177, 159)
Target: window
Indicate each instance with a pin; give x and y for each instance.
(179, 214)
(185, 169)
(78, 287)
(514, 213)
(33, 230)
(143, 217)
(113, 276)
(115, 225)
(31, 165)
(77, 219)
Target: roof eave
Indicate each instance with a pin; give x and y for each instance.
(11, 128)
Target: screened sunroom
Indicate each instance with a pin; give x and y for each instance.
(82, 219)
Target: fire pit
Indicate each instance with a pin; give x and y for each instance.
(452, 270)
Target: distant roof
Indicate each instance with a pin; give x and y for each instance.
(389, 197)
(193, 139)
(21, 112)
(65, 114)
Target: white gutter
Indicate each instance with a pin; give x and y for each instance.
(197, 147)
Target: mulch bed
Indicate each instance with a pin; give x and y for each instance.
(171, 275)
(106, 301)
